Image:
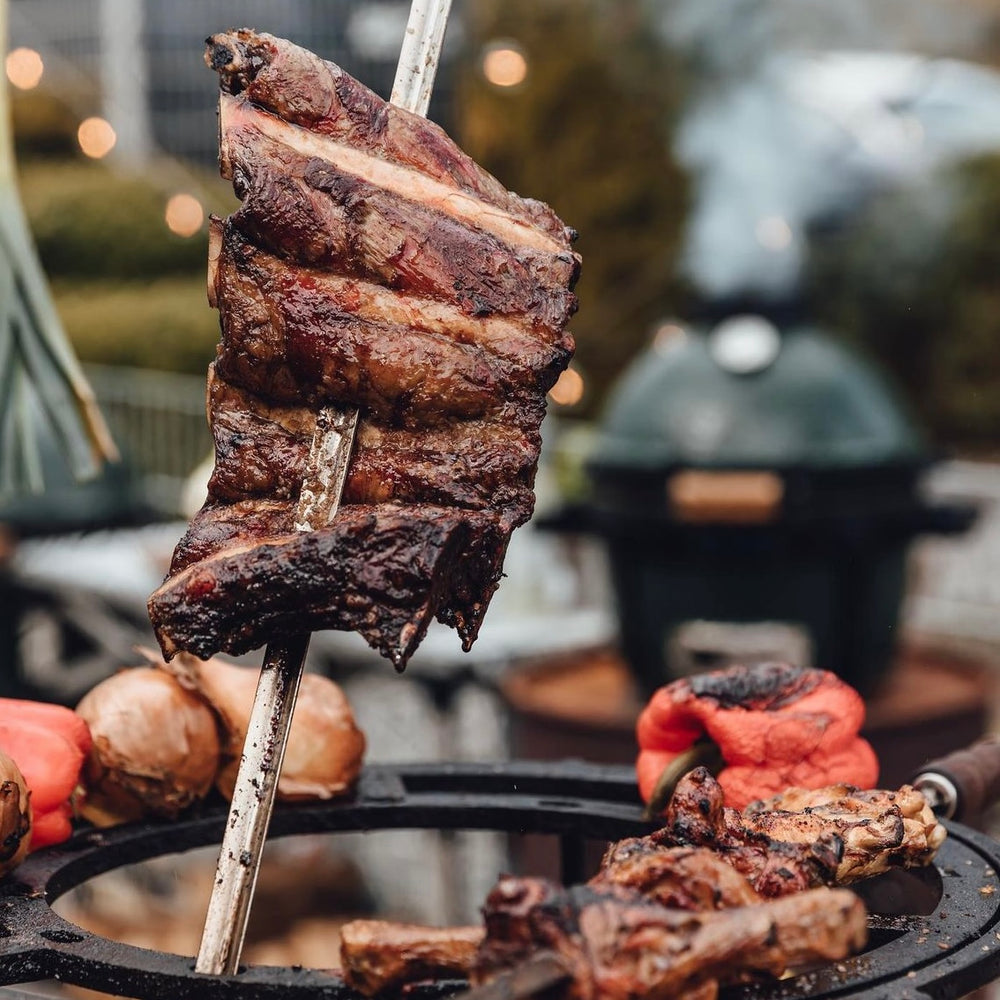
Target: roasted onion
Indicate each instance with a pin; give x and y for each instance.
(325, 746)
(156, 747)
(15, 815)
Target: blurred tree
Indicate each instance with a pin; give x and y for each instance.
(589, 132)
(914, 280)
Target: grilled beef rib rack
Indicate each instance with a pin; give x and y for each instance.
(949, 948)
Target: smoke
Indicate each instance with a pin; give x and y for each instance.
(795, 117)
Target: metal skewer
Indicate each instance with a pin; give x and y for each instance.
(274, 702)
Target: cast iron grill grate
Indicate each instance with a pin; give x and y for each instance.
(945, 953)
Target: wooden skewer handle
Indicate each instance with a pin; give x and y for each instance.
(966, 782)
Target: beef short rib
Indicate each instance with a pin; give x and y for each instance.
(370, 265)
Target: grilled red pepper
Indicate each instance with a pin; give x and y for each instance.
(49, 744)
(773, 725)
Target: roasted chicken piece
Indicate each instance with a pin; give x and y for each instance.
(879, 829)
(697, 816)
(802, 839)
(683, 878)
(615, 943)
(378, 955)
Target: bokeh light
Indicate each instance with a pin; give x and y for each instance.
(505, 64)
(24, 68)
(184, 215)
(96, 137)
(667, 336)
(773, 233)
(568, 390)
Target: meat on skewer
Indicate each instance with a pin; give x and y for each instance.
(371, 265)
(802, 839)
(790, 844)
(617, 944)
(380, 955)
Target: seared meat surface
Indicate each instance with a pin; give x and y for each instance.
(261, 450)
(697, 816)
(381, 570)
(378, 955)
(663, 917)
(287, 339)
(683, 878)
(371, 265)
(618, 944)
(300, 88)
(803, 839)
(879, 829)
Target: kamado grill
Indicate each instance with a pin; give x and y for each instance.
(753, 471)
(949, 946)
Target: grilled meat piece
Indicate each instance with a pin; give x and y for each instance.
(338, 219)
(378, 955)
(697, 816)
(299, 87)
(371, 264)
(284, 336)
(803, 839)
(879, 829)
(382, 570)
(683, 878)
(617, 944)
(261, 450)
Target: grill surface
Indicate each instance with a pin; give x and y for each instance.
(947, 953)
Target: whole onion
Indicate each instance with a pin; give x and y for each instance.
(325, 746)
(15, 815)
(156, 747)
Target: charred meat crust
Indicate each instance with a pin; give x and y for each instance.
(372, 265)
(382, 572)
(378, 956)
(616, 943)
(285, 338)
(300, 87)
(833, 836)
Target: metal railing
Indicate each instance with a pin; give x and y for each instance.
(158, 420)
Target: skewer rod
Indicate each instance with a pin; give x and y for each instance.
(253, 802)
(421, 53)
(274, 702)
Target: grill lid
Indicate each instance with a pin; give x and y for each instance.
(743, 394)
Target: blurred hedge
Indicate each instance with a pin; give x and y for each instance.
(89, 221)
(43, 125)
(165, 324)
(129, 291)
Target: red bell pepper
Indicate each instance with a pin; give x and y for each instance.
(774, 726)
(49, 744)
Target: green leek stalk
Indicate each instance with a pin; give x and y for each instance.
(40, 376)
